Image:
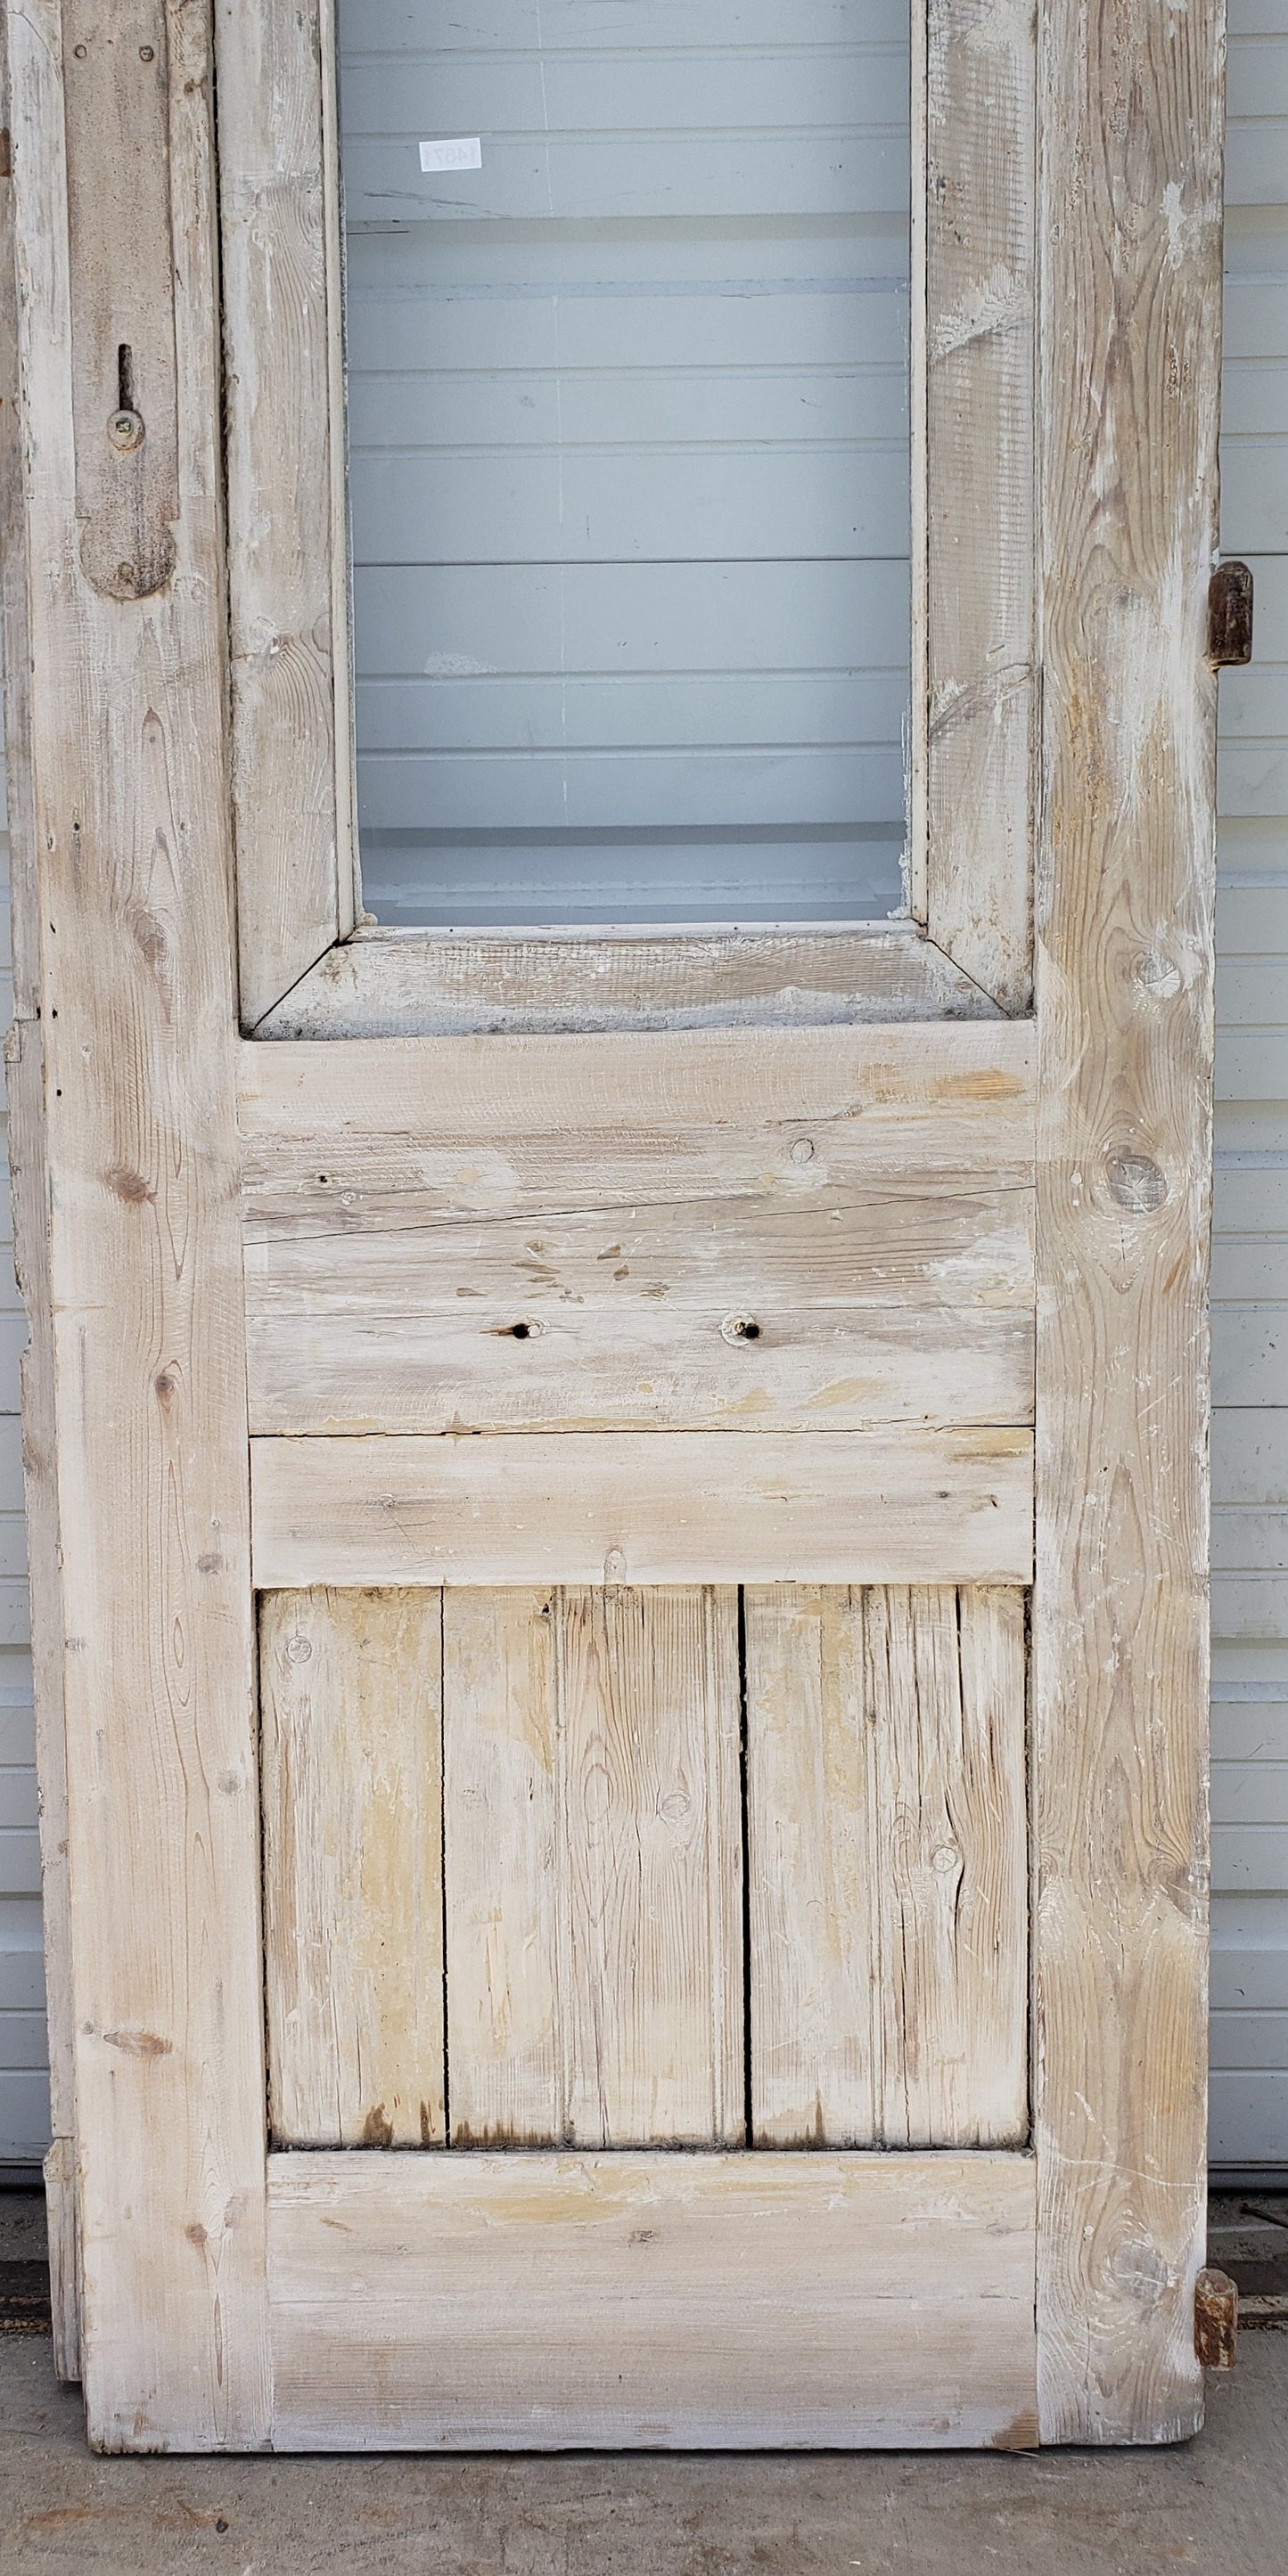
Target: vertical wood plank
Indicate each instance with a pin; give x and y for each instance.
(651, 1811)
(290, 763)
(944, 1681)
(351, 1701)
(130, 798)
(594, 1867)
(887, 1848)
(24, 1090)
(1131, 232)
(500, 1785)
(24, 1086)
(975, 687)
(812, 1862)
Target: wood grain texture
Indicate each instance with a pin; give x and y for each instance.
(413, 983)
(62, 2220)
(473, 1124)
(540, 2302)
(1131, 231)
(797, 1310)
(29, 1181)
(127, 737)
(352, 1773)
(975, 693)
(887, 1867)
(290, 753)
(125, 420)
(900, 1506)
(29, 1177)
(593, 1835)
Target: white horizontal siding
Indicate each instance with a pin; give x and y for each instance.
(629, 458)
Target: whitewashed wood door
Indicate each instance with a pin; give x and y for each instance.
(609, 1571)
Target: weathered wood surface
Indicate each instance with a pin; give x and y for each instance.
(1130, 228)
(24, 1091)
(422, 983)
(537, 2302)
(352, 1774)
(660, 1108)
(975, 688)
(145, 1266)
(900, 1506)
(887, 1854)
(593, 1840)
(796, 1310)
(124, 406)
(24, 1087)
(290, 751)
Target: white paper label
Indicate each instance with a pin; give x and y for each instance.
(464, 154)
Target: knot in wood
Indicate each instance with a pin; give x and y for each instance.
(1159, 977)
(740, 1328)
(1137, 1184)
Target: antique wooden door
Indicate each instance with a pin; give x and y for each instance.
(618, 1522)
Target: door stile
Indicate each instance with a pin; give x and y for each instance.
(128, 739)
(974, 681)
(288, 568)
(1131, 234)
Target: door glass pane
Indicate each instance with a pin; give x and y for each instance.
(629, 471)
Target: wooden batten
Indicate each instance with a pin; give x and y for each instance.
(960, 1101)
(636, 2302)
(801, 1308)
(1131, 299)
(130, 804)
(903, 1506)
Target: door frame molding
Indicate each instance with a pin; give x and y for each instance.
(974, 575)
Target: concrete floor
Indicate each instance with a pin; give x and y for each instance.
(1219, 2504)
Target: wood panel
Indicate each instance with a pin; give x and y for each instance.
(287, 559)
(974, 681)
(352, 1770)
(539, 2302)
(1129, 383)
(832, 1307)
(127, 733)
(906, 1506)
(527, 1122)
(593, 1838)
(887, 1867)
(410, 983)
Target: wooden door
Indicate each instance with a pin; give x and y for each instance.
(618, 1525)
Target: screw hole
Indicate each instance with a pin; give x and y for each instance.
(521, 1332)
